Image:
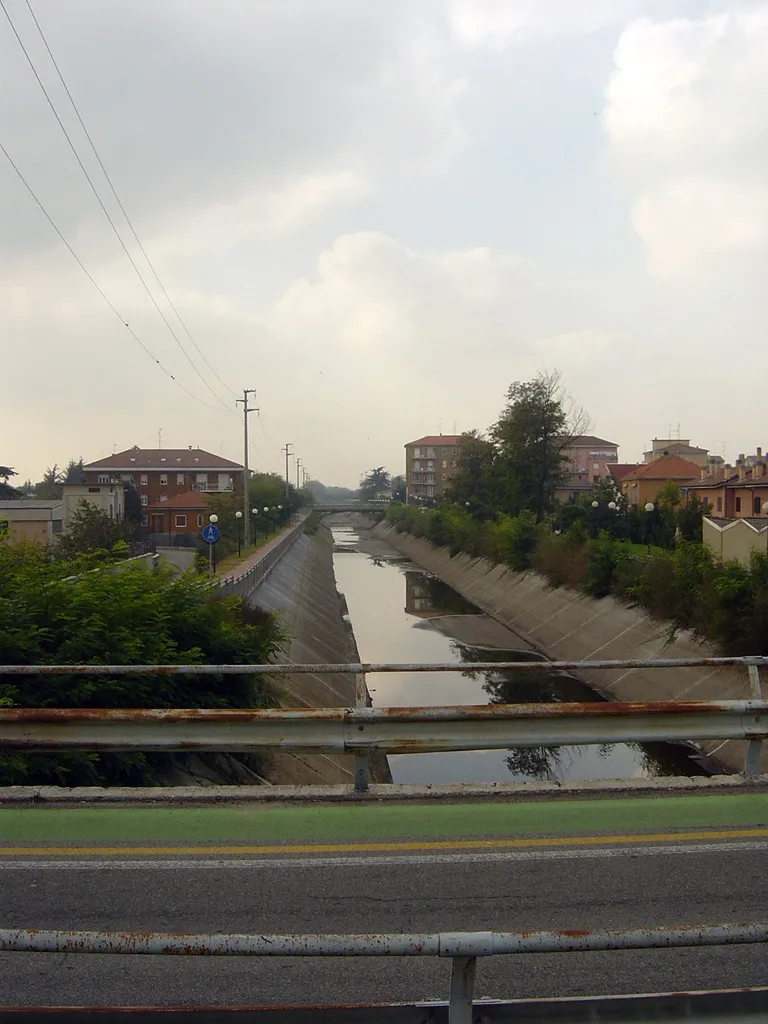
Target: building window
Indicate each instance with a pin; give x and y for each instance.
(94, 490)
(445, 461)
(163, 497)
(444, 451)
(596, 479)
(103, 478)
(595, 465)
(200, 519)
(202, 481)
(445, 476)
(162, 458)
(455, 451)
(181, 521)
(179, 478)
(145, 520)
(738, 504)
(58, 525)
(144, 479)
(430, 453)
(417, 453)
(144, 499)
(756, 506)
(453, 463)
(719, 504)
(163, 479)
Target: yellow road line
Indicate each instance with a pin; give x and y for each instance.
(391, 847)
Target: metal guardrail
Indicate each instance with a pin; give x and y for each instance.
(463, 948)
(364, 730)
(243, 584)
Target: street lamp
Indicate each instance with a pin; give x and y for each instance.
(212, 519)
(595, 504)
(649, 507)
(267, 523)
(238, 517)
(612, 506)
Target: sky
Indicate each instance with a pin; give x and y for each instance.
(378, 216)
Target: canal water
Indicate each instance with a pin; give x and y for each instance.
(397, 611)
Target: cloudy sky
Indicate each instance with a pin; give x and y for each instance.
(379, 215)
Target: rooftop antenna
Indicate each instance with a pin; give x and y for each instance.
(159, 437)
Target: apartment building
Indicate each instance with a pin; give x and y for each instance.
(161, 474)
(430, 462)
(586, 462)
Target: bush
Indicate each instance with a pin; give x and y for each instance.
(54, 613)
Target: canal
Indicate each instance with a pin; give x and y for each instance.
(400, 613)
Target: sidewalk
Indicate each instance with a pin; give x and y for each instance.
(262, 552)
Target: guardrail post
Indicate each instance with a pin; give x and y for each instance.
(463, 970)
(755, 746)
(362, 761)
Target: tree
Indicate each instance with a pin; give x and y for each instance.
(75, 472)
(398, 488)
(470, 485)
(6, 491)
(91, 531)
(50, 486)
(539, 421)
(374, 483)
(690, 518)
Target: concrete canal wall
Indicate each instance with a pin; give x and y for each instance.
(567, 626)
(302, 589)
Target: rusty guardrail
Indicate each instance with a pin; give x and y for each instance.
(364, 730)
(463, 948)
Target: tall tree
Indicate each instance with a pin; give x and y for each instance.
(398, 488)
(539, 421)
(470, 485)
(374, 483)
(6, 491)
(51, 484)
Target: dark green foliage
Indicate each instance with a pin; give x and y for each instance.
(91, 531)
(59, 613)
(374, 484)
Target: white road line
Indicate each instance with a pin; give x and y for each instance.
(405, 860)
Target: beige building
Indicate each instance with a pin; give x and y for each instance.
(682, 448)
(735, 540)
(430, 462)
(32, 519)
(642, 484)
(108, 497)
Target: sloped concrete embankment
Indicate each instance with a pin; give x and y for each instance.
(567, 626)
(302, 589)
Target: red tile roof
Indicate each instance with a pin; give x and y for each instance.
(619, 470)
(669, 467)
(449, 440)
(590, 441)
(163, 458)
(190, 499)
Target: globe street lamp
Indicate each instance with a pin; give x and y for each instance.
(267, 523)
(238, 517)
(612, 506)
(212, 519)
(649, 507)
(595, 504)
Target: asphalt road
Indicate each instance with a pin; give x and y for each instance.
(610, 886)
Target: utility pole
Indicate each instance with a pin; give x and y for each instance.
(298, 474)
(288, 453)
(246, 514)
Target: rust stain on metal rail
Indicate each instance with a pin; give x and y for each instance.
(358, 667)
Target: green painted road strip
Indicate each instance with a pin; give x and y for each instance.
(334, 823)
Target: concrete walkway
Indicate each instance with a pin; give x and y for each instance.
(263, 551)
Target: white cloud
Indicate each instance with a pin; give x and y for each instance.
(497, 22)
(687, 133)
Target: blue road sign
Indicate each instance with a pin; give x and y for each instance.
(210, 533)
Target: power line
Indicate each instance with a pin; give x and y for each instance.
(119, 202)
(105, 210)
(95, 284)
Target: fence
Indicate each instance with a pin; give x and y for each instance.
(363, 731)
(463, 949)
(243, 584)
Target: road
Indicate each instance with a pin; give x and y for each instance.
(562, 864)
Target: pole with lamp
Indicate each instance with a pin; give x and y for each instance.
(280, 514)
(267, 522)
(649, 509)
(255, 514)
(239, 518)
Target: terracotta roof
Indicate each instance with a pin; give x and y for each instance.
(190, 499)
(590, 441)
(449, 440)
(710, 480)
(163, 458)
(619, 470)
(669, 467)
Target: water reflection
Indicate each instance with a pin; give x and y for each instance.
(395, 609)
